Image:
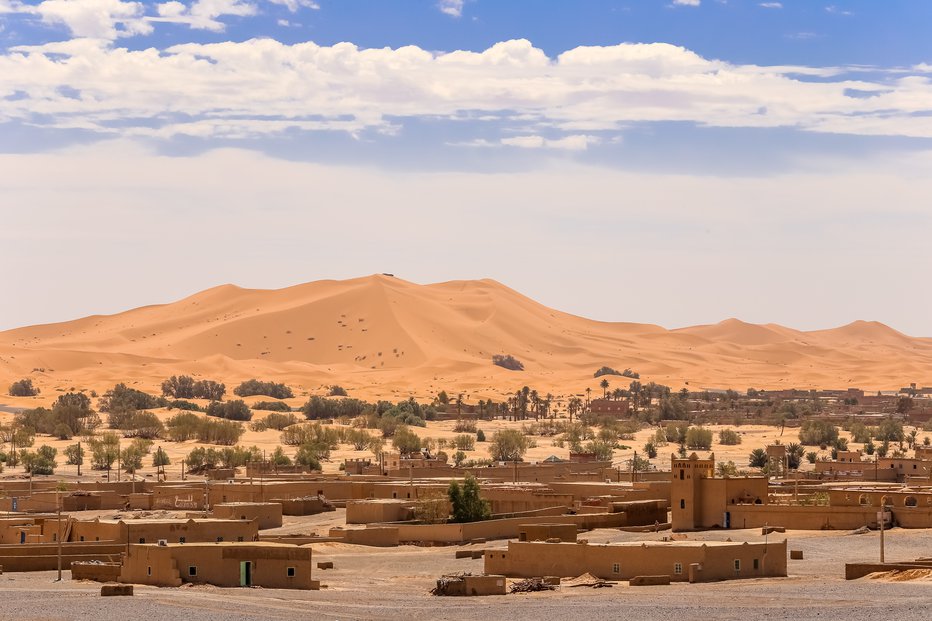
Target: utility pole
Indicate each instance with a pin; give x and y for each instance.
(58, 503)
(80, 458)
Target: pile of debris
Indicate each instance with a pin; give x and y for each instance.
(531, 585)
(450, 584)
(587, 580)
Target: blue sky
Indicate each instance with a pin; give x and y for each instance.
(764, 160)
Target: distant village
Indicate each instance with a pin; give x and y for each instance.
(247, 518)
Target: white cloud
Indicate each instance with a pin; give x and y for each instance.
(261, 86)
(203, 14)
(772, 5)
(453, 8)
(687, 2)
(834, 10)
(576, 142)
(294, 5)
(101, 19)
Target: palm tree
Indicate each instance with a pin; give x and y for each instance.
(604, 386)
(588, 396)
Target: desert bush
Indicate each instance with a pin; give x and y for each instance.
(74, 454)
(23, 388)
(213, 431)
(603, 450)
(42, 461)
(729, 437)
(336, 391)
(508, 445)
(184, 387)
(699, 438)
(271, 406)
(105, 449)
(817, 432)
(275, 420)
(465, 426)
(268, 389)
(181, 404)
(141, 425)
(480, 435)
(230, 410)
(890, 429)
(464, 442)
(406, 441)
(650, 450)
(320, 408)
(123, 398)
(507, 361)
(606, 371)
(311, 434)
(183, 427)
(308, 456)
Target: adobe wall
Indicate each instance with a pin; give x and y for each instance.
(44, 557)
(381, 510)
(267, 514)
(802, 517)
(501, 529)
(623, 562)
(173, 531)
(376, 536)
(543, 532)
(303, 506)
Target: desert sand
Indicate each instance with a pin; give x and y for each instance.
(383, 337)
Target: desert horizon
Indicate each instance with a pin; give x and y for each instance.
(381, 336)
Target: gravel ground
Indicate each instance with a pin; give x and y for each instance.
(378, 583)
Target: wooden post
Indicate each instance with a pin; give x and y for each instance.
(58, 502)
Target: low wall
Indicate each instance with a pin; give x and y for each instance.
(99, 572)
(502, 529)
(44, 556)
(802, 517)
(853, 571)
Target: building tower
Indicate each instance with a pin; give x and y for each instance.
(686, 489)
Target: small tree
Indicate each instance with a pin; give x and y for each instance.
(699, 438)
(758, 458)
(23, 388)
(729, 437)
(433, 507)
(480, 435)
(508, 445)
(650, 450)
(74, 455)
(406, 441)
(466, 503)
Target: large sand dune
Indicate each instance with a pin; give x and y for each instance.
(382, 336)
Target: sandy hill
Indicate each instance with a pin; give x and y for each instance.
(379, 336)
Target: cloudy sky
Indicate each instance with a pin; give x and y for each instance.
(672, 161)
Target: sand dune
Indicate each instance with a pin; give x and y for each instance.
(382, 336)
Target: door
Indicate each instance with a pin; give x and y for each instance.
(728, 519)
(245, 573)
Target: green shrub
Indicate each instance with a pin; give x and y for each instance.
(23, 388)
(729, 437)
(268, 389)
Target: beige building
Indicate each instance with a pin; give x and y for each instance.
(268, 565)
(681, 561)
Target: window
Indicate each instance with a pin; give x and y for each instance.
(756, 563)
(682, 503)
(682, 474)
(54, 536)
(192, 570)
(616, 568)
(149, 570)
(181, 539)
(677, 568)
(737, 565)
(82, 538)
(291, 572)
(142, 540)
(219, 539)
(240, 538)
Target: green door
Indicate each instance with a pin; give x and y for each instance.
(245, 573)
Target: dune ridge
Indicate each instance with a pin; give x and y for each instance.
(380, 335)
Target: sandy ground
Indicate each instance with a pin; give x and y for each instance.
(383, 337)
(392, 583)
